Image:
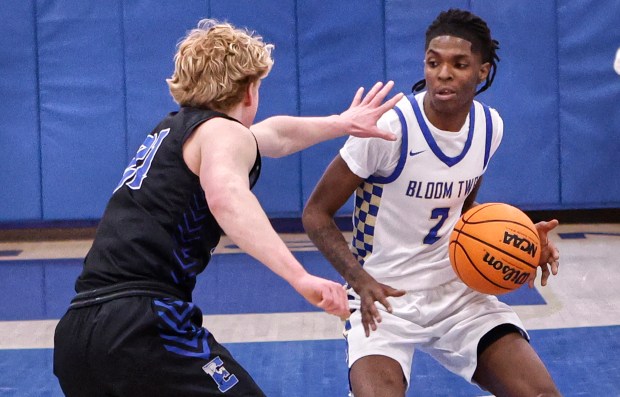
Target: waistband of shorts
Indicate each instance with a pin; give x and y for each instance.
(421, 282)
(152, 289)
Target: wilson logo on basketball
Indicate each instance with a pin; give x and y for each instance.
(509, 272)
(521, 243)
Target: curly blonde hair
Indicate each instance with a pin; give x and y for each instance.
(215, 63)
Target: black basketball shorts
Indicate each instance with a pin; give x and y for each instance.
(144, 346)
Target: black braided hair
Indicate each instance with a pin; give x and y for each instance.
(464, 24)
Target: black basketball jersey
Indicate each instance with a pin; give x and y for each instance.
(157, 226)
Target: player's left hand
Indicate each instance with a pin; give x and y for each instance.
(363, 114)
(550, 255)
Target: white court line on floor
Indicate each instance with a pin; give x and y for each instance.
(585, 294)
(281, 327)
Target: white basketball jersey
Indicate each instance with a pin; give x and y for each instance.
(403, 217)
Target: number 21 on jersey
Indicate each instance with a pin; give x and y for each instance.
(136, 171)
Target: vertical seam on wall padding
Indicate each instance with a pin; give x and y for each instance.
(35, 12)
(559, 98)
(383, 17)
(297, 73)
(44, 289)
(124, 65)
(298, 105)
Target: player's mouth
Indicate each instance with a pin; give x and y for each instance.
(445, 94)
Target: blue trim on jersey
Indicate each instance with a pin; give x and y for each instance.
(449, 161)
(403, 152)
(489, 124)
(187, 237)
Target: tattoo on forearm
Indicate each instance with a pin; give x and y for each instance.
(334, 247)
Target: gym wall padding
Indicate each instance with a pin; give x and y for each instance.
(525, 170)
(82, 105)
(20, 178)
(83, 82)
(589, 96)
(341, 47)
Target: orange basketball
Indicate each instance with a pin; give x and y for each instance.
(494, 248)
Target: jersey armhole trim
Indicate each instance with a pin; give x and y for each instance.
(404, 144)
(489, 137)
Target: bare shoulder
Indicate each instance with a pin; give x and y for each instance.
(220, 128)
(217, 136)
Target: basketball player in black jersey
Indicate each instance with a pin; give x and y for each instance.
(132, 329)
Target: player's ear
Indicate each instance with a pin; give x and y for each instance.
(251, 94)
(483, 72)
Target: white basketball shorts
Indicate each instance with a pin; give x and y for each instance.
(446, 322)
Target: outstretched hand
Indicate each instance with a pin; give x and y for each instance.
(371, 291)
(549, 255)
(365, 111)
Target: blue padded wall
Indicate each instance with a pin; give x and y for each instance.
(85, 81)
(525, 169)
(82, 106)
(589, 36)
(20, 178)
(341, 47)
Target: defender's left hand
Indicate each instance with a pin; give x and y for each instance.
(365, 111)
(549, 255)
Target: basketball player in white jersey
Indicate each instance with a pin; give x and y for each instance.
(403, 292)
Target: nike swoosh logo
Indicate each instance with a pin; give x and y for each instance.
(412, 153)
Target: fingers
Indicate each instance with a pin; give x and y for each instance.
(555, 252)
(370, 317)
(548, 266)
(382, 94)
(358, 97)
(379, 133)
(552, 224)
(545, 275)
(385, 304)
(372, 94)
(389, 104)
(545, 227)
(389, 291)
(334, 300)
(377, 95)
(555, 267)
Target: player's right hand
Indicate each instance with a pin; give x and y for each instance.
(325, 294)
(550, 255)
(371, 291)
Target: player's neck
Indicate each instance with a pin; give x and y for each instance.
(446, 120)
(241, 113)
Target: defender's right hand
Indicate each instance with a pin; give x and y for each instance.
(325, 294)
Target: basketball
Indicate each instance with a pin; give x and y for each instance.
(494, 248)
